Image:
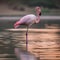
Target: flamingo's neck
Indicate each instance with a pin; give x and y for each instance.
(38, 17)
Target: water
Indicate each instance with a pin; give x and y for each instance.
(44, 42)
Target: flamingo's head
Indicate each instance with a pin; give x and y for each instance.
(38, 10)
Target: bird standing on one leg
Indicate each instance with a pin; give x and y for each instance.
(28, 20)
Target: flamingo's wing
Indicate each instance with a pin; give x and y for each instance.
(28, 19)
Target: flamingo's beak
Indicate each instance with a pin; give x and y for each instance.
(39, 10)
(40, 14)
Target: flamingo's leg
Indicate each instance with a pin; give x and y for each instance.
(27, 39)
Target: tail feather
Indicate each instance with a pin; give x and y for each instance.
(17, 24)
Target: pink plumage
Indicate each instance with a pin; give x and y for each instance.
(29, 19)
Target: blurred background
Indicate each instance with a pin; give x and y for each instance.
(44, 37)
(19, 7)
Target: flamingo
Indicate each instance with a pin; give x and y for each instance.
(28, 20)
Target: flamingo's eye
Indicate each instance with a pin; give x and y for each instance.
(37, 8)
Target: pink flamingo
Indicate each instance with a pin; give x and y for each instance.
(28, 20)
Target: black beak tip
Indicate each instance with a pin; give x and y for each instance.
(40, 14)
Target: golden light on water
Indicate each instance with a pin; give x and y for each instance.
(41, 42)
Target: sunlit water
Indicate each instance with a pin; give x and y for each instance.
(44, 43)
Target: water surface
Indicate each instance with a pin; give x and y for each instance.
(44, 42)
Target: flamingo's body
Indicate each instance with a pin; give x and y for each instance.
(29, 20)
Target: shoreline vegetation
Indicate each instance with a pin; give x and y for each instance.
(24, 10)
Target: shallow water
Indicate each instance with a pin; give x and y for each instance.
(43, 43)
